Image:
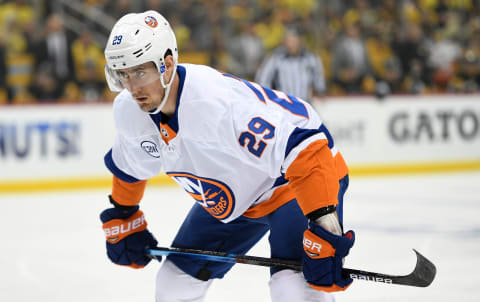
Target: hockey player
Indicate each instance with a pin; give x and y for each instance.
(253, 159)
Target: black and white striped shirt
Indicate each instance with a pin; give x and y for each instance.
(295, 75)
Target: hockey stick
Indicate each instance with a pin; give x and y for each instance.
(422, 275)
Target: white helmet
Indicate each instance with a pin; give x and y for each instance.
(137, 39)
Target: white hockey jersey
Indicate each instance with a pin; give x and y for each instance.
(229, 143)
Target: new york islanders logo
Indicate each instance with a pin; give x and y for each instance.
(151, 21)
(215, 196)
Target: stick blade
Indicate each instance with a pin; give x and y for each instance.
(424, 272)
(422, 275)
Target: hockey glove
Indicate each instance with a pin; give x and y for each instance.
(323, 258)
(127, 236)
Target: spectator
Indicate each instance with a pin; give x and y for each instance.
(469, 66)
(271, 29)
(432, 40)
(293, 69)
(409, 46)
(211, 34)
(89, 63)
(18, 58)
(350, 63)
(246, 51)
(388, 11)
(443, 53)
(241, 10)
(20, 10)
(45, 87)
(384, 63)
(194, 16)
(91, 87)
(55, 50)
(414, 80)
(4, 95)
(363, 14)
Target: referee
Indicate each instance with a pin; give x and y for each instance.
(293, 69)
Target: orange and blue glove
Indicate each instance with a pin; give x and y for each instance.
(127, 236)
(323, 258)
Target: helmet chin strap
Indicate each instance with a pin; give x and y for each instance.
(167, 90)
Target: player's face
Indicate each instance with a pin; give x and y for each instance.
(143, 82)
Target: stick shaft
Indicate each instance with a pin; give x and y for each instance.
(225, 257)
(422, 276)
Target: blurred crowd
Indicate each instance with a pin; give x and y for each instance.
(365, 46)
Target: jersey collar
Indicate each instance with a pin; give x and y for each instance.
(168, 126)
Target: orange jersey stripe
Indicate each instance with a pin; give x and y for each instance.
(284, 194)
(340, 166)
(280, 197)
(313, 177)
(167, 132)
(126, 193)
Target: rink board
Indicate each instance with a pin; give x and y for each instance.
(48, 147)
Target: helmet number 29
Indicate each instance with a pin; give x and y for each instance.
(117, 40)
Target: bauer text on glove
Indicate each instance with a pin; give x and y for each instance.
(323, 258)
(127, 236)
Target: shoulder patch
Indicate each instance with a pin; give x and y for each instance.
(151, 148)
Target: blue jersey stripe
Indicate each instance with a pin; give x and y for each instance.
(172, 121)
(324, 129)
(108, 159)
(298, 135)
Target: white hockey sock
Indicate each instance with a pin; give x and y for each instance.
(288, 286)
(174, 285)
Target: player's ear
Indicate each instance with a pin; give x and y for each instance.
(169, 61)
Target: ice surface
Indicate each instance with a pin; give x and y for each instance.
(52, 245)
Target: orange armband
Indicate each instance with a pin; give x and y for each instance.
(126, 193)
(313, 177)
